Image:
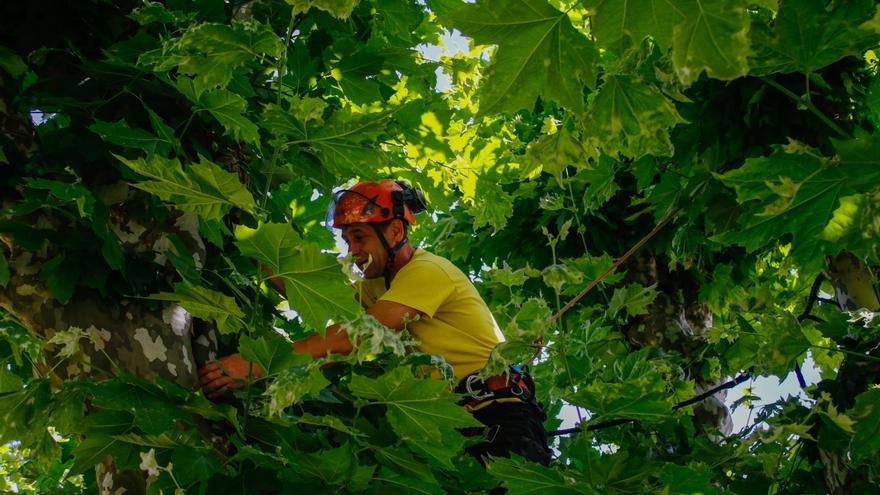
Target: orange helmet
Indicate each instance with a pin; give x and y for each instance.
(376, 202)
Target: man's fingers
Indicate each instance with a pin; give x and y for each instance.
(208, 368)
(218, 383)
(210, 376)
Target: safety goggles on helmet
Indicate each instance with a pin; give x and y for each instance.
(375, 202)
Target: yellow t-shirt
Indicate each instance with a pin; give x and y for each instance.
(456, 325)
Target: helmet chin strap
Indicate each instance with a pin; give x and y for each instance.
(392, 252)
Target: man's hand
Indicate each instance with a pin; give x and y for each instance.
(228, 372)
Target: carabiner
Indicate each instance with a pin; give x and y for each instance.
(476, 393)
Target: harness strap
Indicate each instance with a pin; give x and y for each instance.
(392, 252)
(514, 386)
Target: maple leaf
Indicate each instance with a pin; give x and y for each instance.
(810, 34)
(807, 204)
(419, 409)
(631, 118)
(229, 109)
(207, 190)
(211, 52)
(712, 37)
(636, 19)
(539, 52)
(634, 299)
(314, 283)
(529, 479)
(207, 304)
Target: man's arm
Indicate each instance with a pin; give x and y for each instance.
(232, 371)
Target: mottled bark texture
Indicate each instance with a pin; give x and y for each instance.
(678, 321)
(854, 290)
(111, 333)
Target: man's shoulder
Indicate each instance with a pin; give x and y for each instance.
(424, 260)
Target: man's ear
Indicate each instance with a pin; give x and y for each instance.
(396, 231)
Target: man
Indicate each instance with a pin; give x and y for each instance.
(439, 305)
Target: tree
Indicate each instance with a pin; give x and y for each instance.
(159, 153)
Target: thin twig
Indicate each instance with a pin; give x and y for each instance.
(617, 422)
(594, 283)
(613, 267)
(808, 105)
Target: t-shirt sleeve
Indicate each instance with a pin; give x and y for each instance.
(420, 285)
(367, 292)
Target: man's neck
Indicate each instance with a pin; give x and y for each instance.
(401, 259)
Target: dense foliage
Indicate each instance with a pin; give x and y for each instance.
(155, 154)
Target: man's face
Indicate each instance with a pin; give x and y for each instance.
(362, 244)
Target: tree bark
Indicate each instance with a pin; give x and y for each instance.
(678, 321)
(141, 337)
(854, 291)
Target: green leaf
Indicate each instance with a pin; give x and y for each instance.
(152, 413)
(96, 447)
(612, 20)
(624, 400)
(340, 9)
(492, 207)
(229, 109)
(854, 225)
(67, 192)
(328, 421)
(164, 132)
(4, 270)
(634, 299)
(212, 52)
(600, 177)
(554, 153)
(718, 292)
(212, 231)
(810, 34)
(192, 465)
(11, 62)
(121, 134)
(330, 467)
(665, 195)
(199, 404)
(272, 243)
(866, 413)
(400, 483)
(61, 275)
(782, 341)
(206, 304)
(633, 388)
(688, 480)
(522, 478)
(796, 192)
(509, 277)
(422, 412)
(314, 283)
(345, 143)
(203, 188)
(273, 355)
(713, 37)
(9, 382)
(631, 118)
(873, 100)
(19, 339)
(540, 54)
(559, 275)
(401, 460)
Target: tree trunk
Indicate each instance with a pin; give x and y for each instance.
(678, 321)
(854, 291)
(141, 337)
